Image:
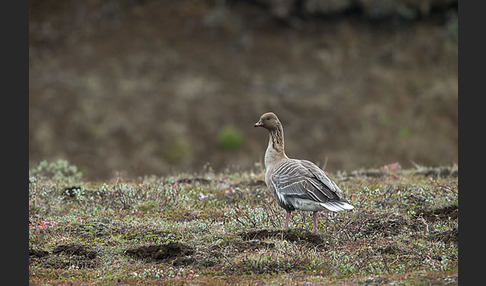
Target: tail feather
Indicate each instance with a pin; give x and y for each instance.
(337, 206)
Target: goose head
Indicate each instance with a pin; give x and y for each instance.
(268, 121)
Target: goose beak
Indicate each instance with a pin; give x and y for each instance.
(259, 123)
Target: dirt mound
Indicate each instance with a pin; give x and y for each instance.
(73, 256)
(175, 253)
(290, 235)
(75, 249)
(446, 212)
(383, 225)
(447, 236)
(38, 253)
(163, 252)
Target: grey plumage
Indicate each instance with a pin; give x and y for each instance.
(300, 184)
(297, 184)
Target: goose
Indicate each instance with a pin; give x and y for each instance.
(297, 184)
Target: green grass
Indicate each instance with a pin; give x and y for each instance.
(226, 230)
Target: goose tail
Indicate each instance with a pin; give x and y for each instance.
(337, 206)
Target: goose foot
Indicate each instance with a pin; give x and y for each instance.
(287, 219)
(314, 219)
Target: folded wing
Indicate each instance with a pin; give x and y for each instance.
(303, 180)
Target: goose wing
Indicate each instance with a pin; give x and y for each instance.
(294, 178)
(301, 179)
(329, 186)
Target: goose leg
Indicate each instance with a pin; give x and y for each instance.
(314, 219)
(287, 219)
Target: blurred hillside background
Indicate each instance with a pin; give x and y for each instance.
(156, 87)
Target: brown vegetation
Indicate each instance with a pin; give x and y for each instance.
(155, 87)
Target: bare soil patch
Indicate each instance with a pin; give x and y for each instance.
(163, 252)
(446, 212)
(174, 253)
(290, 235)
(73, 256)
(383, 225)
(446, 236)
(75, 249)
(38, 253)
